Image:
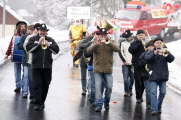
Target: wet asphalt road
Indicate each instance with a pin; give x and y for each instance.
(64, 101)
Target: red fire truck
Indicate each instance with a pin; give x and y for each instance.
(134, 17)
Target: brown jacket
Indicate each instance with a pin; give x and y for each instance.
(103, 56)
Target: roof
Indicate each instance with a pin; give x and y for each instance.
(12, 12)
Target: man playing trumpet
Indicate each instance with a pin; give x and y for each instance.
(158, 59)
(102, 49)
(41, 46)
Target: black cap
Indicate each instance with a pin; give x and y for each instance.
(21, 22)
(101, 31)
(157, 39)
(150, 43)
(140, 32)
(127, 34)
(43, 27)
(37, 26)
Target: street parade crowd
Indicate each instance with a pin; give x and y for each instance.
(144, 64)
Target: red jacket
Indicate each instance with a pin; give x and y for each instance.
(9, 50)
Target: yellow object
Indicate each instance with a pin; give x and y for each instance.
(73, 46)
(76, 35)
(76, 31)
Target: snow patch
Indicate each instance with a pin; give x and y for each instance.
(174, 67)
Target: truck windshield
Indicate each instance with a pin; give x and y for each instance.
(128, 14)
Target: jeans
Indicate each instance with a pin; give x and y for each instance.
(31, 89)
(103, 80)
(147, 89)
(128, 77)
(156, 102)
(83, 70)
(17, 71)
(91, 86)
(25, 80)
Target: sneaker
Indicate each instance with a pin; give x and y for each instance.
(139, 101)
(39, 107)
(106, 106)
(126, 95)
(148, 107)
(25, 96)
(154, 113)
(98, 109)
(83, 93)
(17, 90)
(130, 93)
(159, 111)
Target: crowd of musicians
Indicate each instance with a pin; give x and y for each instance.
(144, 64)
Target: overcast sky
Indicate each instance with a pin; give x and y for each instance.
(21, 4)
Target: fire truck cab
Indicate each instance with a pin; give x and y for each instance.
(135, 17)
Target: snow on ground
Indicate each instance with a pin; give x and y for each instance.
(175, 67)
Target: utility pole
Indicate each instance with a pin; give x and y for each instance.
(4, 19)
(91, 9)
(102, 8)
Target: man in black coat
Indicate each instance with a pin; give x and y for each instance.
(158, 60)
(136, 48)
(41, 46)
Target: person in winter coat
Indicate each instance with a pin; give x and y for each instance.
(103, 49)
(75, 33)
(25, 77)
(158, 60)
(127, 67)
(21, 28)
(41, 46)
(34, 32)
(148, 46)
(136, 48)
(84, 43)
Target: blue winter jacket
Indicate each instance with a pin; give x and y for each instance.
(158, 65)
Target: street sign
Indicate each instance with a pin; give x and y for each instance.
(78, 13)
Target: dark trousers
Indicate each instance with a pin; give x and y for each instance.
(139, 81)
(30, 81)
(41, 80)
(83, 71)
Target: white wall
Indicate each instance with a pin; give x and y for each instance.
(9, 30)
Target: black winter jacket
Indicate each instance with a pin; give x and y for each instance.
(42, 58)
(136, 49)
(158, 65)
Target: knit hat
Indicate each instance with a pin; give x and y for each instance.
(140, 32)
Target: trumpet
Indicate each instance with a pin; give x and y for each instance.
(163, 51)
(44, 45)
(106, 41)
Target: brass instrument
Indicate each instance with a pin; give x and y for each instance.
(163, 51)
(44, 45)
(106, 41)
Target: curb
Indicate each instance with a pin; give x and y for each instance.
(174, 88)
(3, 62)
